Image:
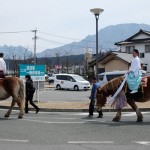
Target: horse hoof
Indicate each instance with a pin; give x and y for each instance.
(139, 120)
(20, 117)
(6, 115)
(116, 120)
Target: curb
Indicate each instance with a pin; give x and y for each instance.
(76, 110)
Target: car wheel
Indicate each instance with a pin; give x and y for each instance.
(58, 87)
(76, 88)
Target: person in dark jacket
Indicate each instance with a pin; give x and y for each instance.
(93, 98)
(29, 94)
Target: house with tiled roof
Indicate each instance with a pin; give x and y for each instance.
(140, 41)
(121, 60)
(113, 60)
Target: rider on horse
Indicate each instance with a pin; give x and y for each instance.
(2, 66)
(134, 74)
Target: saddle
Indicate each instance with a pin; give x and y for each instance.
(140, 93)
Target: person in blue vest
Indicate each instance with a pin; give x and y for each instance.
(93, 98)
(134, 74)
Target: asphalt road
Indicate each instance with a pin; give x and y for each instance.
(63, 95)
(73, 131)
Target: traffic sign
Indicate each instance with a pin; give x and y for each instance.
(37, 72)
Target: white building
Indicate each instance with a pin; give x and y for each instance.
(140, 41)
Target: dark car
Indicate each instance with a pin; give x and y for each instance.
(50, 79)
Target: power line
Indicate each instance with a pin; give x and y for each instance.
(13, 32)
(44, 39)
(70, 38)
(60, 36)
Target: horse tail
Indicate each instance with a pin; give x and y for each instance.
(22, 93)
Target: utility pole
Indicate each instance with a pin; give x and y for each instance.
(35, 37)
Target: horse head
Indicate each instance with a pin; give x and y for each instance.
(107, 90)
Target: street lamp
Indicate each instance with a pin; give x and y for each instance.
(97, 12)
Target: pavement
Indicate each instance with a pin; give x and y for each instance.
(72, 106)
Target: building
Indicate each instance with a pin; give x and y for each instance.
(140, 41)
(111, 61)
(121, 60)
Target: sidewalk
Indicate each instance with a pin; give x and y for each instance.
(73, 106)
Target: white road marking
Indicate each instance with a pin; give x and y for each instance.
(14, 140)
(50, 122)
(56, 118)
(64, 122)
(142, 142)
(90, 142)
(129, 114)
(133, 113)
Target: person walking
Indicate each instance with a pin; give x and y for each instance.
(2, 66)
(93, 98)
(134, 74)
(29, 94)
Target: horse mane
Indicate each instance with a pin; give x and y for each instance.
(111, 87)
(108, 89)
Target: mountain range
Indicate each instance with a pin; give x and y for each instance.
(107, 37)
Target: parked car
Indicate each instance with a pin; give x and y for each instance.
(70, 81)
(51, 79)
(107, 76)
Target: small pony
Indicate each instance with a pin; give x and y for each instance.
(111, 87)
(13, 86)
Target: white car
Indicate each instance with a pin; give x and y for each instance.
(107, 76)
(70, 81)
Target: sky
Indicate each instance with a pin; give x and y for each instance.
(60, 22)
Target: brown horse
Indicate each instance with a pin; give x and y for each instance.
(13, 86)
(111, 87)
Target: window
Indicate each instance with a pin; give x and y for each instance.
(110, 77)
(129, 49)
(71, 79)
(147, 48)
(145, 68)
(62, 77)
(101, 77)
(141, 55)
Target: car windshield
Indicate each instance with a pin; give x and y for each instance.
(79, 78)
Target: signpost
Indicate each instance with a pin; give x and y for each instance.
(37, 73)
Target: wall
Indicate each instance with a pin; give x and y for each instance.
(116, 65)
(141, 48)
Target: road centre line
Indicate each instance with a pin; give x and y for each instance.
(14, 140)
(90, 142)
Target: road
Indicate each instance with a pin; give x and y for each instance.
(73, 131)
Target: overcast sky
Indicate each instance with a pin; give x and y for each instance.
(60, 22)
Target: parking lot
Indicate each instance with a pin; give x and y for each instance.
(51, 94)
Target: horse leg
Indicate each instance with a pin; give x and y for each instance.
(136, 109)
(20, 116)
(118, 116)
(10, 109)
